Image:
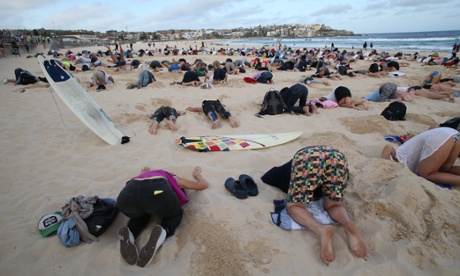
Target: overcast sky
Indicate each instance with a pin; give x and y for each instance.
(358, 16)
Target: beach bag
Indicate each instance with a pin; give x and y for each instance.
(395, 111)
(272, 103)
(105, 211)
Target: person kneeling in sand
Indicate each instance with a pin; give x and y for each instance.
(164, 112)
(153, 193)
(297, 92)
(211, 108)
(430, 154)
(301, 179)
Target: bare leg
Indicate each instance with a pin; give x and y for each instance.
(233, 122)
(153, 128)
(215, 124)
(339, 214)
(439, 166)
(112, 56)
(324, 232)
(171, 125)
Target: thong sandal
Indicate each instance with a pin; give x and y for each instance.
(236, 188)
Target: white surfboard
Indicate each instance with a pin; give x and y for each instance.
(80, 102)
(237, 142)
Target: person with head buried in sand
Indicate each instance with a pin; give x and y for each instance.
(431, 154)
(211, 108)
(325, 168)
(164, 112)
(342, 96)
(157, 193)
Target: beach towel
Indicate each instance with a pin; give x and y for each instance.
(250, 80)
(281, 218)
(326, 104)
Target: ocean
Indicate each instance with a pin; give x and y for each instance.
(440, 41)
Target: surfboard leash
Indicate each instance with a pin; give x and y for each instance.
(57, 106)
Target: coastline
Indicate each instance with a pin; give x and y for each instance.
(410, 226)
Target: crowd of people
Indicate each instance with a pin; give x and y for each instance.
(431, 154)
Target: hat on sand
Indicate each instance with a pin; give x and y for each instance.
(49, 223)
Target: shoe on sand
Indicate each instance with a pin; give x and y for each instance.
(236, 188)
(147, 252)
(128, 249)
(250, 184)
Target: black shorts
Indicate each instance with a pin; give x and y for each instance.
(190, 76)
(219, 74)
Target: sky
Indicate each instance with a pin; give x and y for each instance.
(358, 16)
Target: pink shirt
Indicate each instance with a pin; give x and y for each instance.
(172, 181)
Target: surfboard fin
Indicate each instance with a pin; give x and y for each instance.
(125, 139)
(184, 140)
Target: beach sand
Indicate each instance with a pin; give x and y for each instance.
(410, 226)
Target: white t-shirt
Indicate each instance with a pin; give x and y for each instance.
(423, 145)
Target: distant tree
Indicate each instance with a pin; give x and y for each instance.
(143, 36)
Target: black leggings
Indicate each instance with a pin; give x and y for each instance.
(210, 108)
(141, 199)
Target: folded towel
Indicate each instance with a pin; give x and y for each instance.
(281, 218)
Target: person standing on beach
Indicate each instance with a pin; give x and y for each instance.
(365, 45)
(153, 193)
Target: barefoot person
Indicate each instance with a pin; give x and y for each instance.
(164, 112)
(324, 168)
(211, 108)
(430, 154)
(153, 193)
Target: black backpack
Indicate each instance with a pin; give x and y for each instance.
(272, 104)
(104, 213)
(395, 111)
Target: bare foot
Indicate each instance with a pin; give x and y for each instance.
(355, 241)
(326, 83)
(233, 122)
(326, 233)
(197, 172)
(365, 105)
(171, 125)
(215, 124)
(153, 128)
(306, 110)
(145, 169)
(314, 108)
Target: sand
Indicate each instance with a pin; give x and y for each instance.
(410, 226)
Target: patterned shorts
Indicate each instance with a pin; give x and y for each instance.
(314, 167)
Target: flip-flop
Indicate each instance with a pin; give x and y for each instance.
(249, 183)
(456, 94)
(236, 188)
